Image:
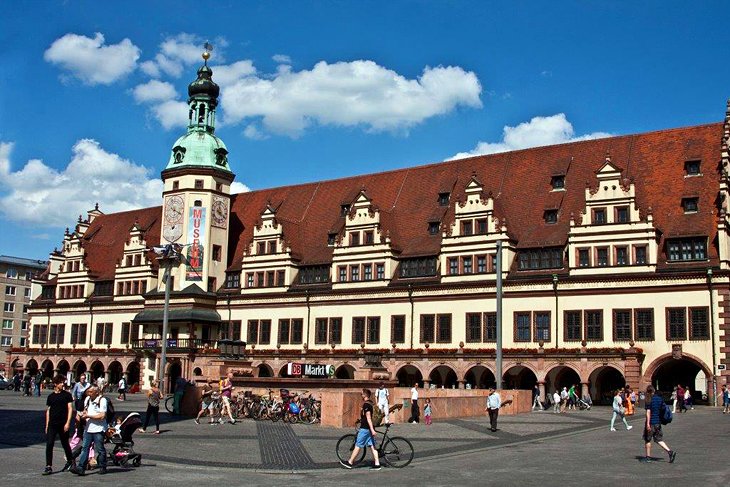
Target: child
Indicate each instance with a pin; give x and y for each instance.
(427, 411)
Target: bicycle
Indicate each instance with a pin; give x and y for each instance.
(396, 451)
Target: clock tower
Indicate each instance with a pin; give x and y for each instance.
(197, 191)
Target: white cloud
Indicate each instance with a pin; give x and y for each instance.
(228, 74)
(154, 91)
(357, 93)
(171, 114)
(90, 60)
(176, 52)
(237, 187)
(44, 196)
(539, 131)
(281, 58)
(254, 133)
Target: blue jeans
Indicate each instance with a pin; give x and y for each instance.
(99, 451)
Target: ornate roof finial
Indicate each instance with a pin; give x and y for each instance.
(80, 219)
(608, 155)
(96, 206)
(206, 54)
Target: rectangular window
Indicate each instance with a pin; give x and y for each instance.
(253, 331)
(260, 279)
(698, 327)
(354, 273)
(433, 228)
(550, 216)
(342, 273)
(490, 327)
(584, 258)
(344, 210)
(297, 326)
(212, 284)
(542, 326)
(280, 278)
(640, 255)
(260, 248)
(692, 168)
(108, 330)
(358, 331)
(217, 251)
(380, 271)
(367, 272)
(467, 265)
(23, 341)
(602, 257)
(11, 273)
(78, 333)
(622, 257)
(481, 264)
(444, 328)
(249, 279)
(6, 341)
(284, 332)
(271, 247)
(522, 327)
(428, 328)
(10, 290)
(354, 239)
(368, 237)
(622, 214)
(453, 266)
(467, 228)
(482, 226)
(233, 280)
(126, 331)
(594, 326)
(336, 330)
(265, 332)
(26, 292)
(676, 324)
(418, 267)
(7, 324)
(398, 328)
(599, 216)
(557, 182)
(57, 334)
(443, 199)
(9, 308)
(687, 249)
(534, 259)
(573, 322)
(473, 327)
(622, 325)
(690, 205)
(198, 184)
(320, 331)
(644, 322)
(373, 329)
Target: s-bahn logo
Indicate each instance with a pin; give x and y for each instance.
(310, 370)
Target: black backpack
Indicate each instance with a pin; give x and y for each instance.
(109, 411)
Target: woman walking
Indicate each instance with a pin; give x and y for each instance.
(154, 395)
(674, 400)
(619, 411)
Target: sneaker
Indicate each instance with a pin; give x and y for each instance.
(196, 421)
(346, 464)
(141, 430)
(629, 427)
(613, 429)
(233, 421)
(67, 467)
(645, 460)
(48, 471)
(78, 471)
(375, 467)
(156, 432)
(672, 456)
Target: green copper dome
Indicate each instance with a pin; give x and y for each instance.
(199, 148)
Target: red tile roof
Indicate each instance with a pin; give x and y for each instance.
(519, 181)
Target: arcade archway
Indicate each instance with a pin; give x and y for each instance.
(562, 376)
(133, 374)
(31, 367)
(345, 371)
(670, 372)
(265, 371)
(63, 367)
(519, 377)
(79, 369)
(115, 372)
(603, 383)
(443, 376)
(480, 377)
(174, 372)
(408, 375)
(97, 370)
(47, 369)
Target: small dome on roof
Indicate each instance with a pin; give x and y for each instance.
(204, 85)
(199, 149)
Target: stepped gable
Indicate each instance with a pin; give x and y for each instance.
(519, 182)
(104, 241)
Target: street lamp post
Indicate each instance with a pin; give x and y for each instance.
(169, 259)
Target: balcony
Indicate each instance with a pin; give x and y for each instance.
(185, 345)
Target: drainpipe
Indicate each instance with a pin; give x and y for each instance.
(712, 335)
(410, 299)
(555, 291)
(91, 321)
(498, 358)
(309, 312)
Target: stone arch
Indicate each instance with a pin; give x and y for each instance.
(197, 371)
(519, 376)
(283, 371)
(79, 368)
(16, 366)
(409, 374)
(133, 372)
(345, 371)
(174, 371)
(97, 369)
(63, 367)
(603, 382)
(547, 368)
(480, 376)
(665, 372)
(562, 375)
(265, 370)
(115, 372)
(443, 376)
(31, 367)
(47, 369)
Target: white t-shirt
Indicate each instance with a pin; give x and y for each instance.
(122, 384)
(382, 395)
(556, 397)
(414, 394)
(93, 408)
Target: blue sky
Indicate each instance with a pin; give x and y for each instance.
(92, 93)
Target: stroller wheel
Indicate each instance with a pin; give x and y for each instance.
(137, 461)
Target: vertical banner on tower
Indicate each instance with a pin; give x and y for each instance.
(196, 242)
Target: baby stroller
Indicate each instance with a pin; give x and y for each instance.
(123, 452)
(584, 403)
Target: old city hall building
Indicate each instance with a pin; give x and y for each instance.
(616, 268)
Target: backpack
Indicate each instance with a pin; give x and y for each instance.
(665, 414)
(377, 417)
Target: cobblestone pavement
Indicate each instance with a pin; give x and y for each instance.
(527, 450)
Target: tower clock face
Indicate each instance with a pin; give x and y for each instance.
(220, 212)
(174, 208)
(172, 232)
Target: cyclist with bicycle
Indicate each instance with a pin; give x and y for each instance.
(366, 433)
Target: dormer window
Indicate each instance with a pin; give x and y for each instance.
(344, 210)
(550, 216)
(467, 228)
(433, 228)
(354, 239)
(198, 184)
(690, 205)
(444, 199)
(368, 238)
(622, 214)
(331, 238)
(692, 168)
(599, 216)
(557, 182)
(175, 185)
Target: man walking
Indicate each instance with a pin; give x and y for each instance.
(366, 433)
(58, 423)
(122, 389)
(94, 413)
(78, 392)
(536, 398)
(653, 426)
(493, 404)
(382, 395)
(415, 411)
(16, 382)
(556, 402)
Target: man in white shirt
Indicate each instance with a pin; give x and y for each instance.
(556, 401)
(415, 412)
(493, 404)
(95, 415)
(382, 395)
(563, 399)
(101, 384)
(122, 389)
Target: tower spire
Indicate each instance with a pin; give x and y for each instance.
(203, 97)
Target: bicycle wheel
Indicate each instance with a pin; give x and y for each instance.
(397, 452)
(344, 448)
(170, 404)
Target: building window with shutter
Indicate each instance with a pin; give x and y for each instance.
(699, 324)
(358, 331)
(473, 327)
(644, 323)
(444, 328)
(335, 336)
(676, 324)
(522, 327)
(573, 323)
(373, 331)
(398, 329)
(428, 325)
(594, 325)
(542, 326)
(622, 325)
